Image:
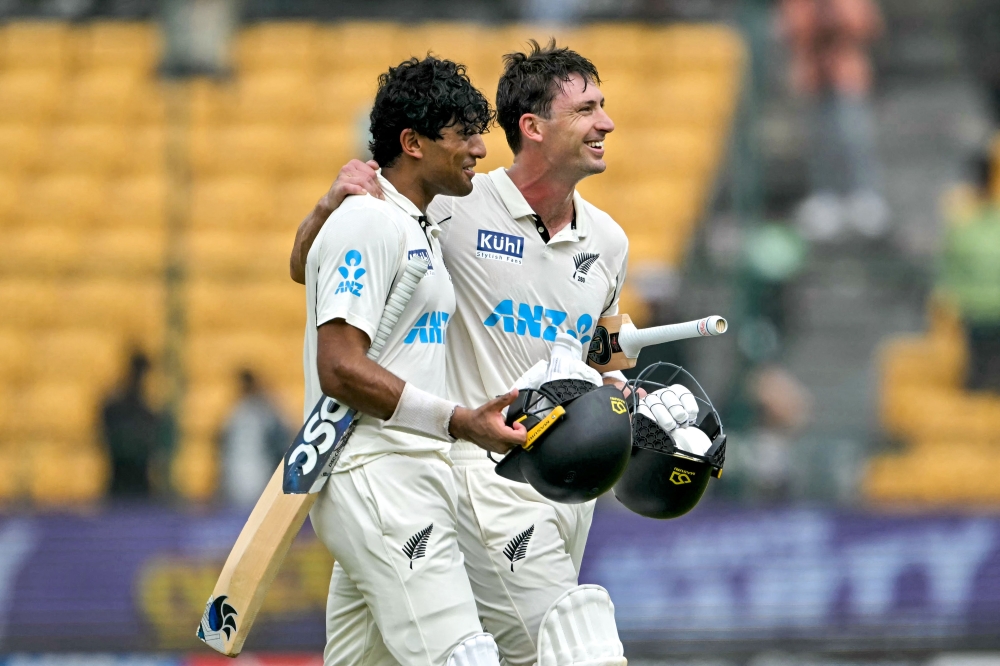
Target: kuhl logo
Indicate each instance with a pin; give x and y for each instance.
(517, 547)
(351, 282)
(499, 247)
(583, 262)
(219, 618)
(416, 545)
(537, 321)
(429, 329)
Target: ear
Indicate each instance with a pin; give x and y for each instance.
(410, 142)
(531, 127)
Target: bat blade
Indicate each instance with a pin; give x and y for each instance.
(251, 567)
(617, 342)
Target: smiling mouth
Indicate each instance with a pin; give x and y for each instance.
(596, 145)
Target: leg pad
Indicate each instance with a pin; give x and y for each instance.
(579, 630)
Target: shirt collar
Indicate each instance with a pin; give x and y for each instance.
(393, 195)
(519, 208)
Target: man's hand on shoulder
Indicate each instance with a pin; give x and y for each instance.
(356, 177)
(485, 426)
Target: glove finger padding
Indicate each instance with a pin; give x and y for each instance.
(660, 411)
(688, 402)
(692, 440)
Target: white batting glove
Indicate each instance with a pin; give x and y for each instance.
(675, 410)
(532, 378)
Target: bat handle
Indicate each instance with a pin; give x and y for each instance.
(632, 339)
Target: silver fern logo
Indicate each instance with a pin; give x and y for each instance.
(416, 545)
(517, 548)
(584, 261)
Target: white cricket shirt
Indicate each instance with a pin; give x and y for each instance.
(356, 259)
(515, 290)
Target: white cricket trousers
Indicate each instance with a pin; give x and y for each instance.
(522, 551)
(399, 592)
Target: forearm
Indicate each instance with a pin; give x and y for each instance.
(304, 237)
(363, 385)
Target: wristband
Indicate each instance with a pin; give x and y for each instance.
(616, 375)
(423, 412)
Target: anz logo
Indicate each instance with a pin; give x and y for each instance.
(538, 322)
(429, 329)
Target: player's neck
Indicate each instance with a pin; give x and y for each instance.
(549, 195)
(408, 182)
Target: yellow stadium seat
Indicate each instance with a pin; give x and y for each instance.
(66, 475)
(11, 473)
(271, 306)
(15, 356)
(10, 197)
(48, 250)
(29, 302)
(112, 95)
(239, 254)
(59, 410)
(294, 199)
(135, 45)
(690, 151)
(346, 98)
(193, 470)
(289, 398)
(147, 151)
(90, 149)
(238, 203)
(242, 149)
(208, 100)
(283, 45)
(136, 202)
(613, 47)
(206, 405)
(364, 46)
(216, 357)
(21, 147)
(131, 308)
(125, 252)
(72, 201)
(274, 96)
(685, 97)
(89, 356)
(695, 47)
(35, 44)
(323, 149)
(29, 96)
(471, 44)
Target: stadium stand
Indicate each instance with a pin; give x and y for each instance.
(100, 158)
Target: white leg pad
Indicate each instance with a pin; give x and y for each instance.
(479, 650)
(579, 630)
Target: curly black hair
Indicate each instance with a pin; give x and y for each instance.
(530, 82)
(426, 96)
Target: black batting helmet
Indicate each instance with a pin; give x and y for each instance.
(579, 440)
(663, 481)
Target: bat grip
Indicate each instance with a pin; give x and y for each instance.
(400, 296)
(632, 339)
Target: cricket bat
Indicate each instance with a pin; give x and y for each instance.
(283, 506)
(617, 342)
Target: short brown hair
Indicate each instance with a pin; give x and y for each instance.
(530, 82)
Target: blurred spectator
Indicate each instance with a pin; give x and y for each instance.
(784, 408)
(970, 279)
(134, 432)
(982, 38)
(831, 67)
(253, 441)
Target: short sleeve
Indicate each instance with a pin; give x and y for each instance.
(611, 304)
(358, 254)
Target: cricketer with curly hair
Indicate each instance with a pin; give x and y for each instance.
(531, 259)
(399, 592)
